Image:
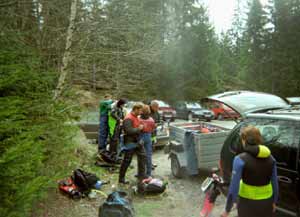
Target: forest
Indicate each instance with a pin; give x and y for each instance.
(137, 49)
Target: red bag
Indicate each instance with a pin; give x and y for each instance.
(68, 187)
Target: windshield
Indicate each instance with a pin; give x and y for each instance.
(193, 105)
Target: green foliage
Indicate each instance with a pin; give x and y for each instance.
(33, 135)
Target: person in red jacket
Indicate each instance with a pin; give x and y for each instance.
(149, 127)
(133, 129)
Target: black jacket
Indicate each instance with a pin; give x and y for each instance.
(155, 116)
(117, 113)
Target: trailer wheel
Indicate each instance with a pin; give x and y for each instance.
(177, 170)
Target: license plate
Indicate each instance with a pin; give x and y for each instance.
(206, 184)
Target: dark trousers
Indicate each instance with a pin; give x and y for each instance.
(255, 208)
(114, 140)
(141, 162)
(103, 132)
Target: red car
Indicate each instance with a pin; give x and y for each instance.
(165, 111)
(222, 111)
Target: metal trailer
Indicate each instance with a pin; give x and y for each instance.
(191, 151)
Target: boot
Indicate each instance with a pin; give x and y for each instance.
(123, 168)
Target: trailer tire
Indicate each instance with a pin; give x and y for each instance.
(177, 170)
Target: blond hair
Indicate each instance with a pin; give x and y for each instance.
(137, 106)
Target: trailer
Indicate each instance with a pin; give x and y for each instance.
(194, 146)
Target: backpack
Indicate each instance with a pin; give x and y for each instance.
(68, 187)
(151, 186)
(117, 205)
(84, 180)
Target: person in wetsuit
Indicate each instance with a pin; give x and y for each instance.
(254, 182)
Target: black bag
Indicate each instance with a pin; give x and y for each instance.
(108, 157)
(151, 186)
(117, 205)
(84, 180)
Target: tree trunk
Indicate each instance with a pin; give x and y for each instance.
(67, 55)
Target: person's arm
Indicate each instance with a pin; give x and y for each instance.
(238, 165)
(274, 181)
(129, 129)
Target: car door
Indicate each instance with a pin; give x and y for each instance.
(288, 177)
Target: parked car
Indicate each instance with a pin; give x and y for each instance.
(192, 110)
(222, 111)
(166, 111)
(295, 101)
(279, 124)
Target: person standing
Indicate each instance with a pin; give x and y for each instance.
(254, 178)
(149, 126)
(156, 117)
(105, 106)
(115, 123)
(132, 145)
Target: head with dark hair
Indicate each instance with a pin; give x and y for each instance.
(121, 102)
(251, 136)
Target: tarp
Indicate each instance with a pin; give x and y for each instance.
(191, 156)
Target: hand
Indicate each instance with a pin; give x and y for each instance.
(274, 207)
(141, 127)
(224, 214)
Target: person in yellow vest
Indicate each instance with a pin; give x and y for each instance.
(115, 121)
(254, 182)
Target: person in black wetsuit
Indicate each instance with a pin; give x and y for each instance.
(254, 182)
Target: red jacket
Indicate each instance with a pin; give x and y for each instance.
(149, 125)
(135, 120)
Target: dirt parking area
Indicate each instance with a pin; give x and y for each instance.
(183, 197)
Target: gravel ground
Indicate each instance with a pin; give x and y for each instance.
(183, 197)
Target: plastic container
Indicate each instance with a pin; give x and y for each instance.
(98, 185)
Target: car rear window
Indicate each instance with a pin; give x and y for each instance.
(282, 137)
(272, 131)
